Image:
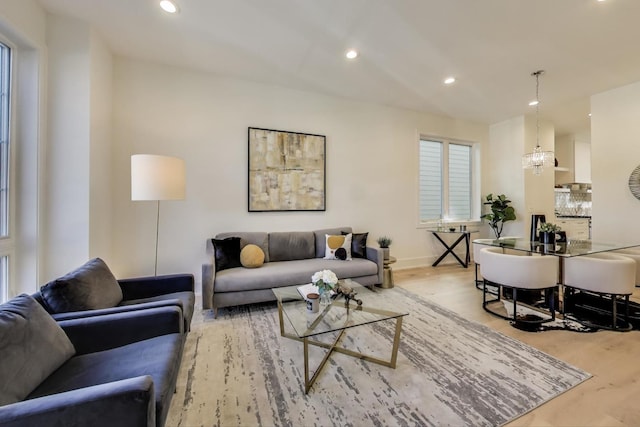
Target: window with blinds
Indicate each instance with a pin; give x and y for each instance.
(446, 180)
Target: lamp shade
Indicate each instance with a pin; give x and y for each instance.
(155, 177)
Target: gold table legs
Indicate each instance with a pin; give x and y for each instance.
(331, 347)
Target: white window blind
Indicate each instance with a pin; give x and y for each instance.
(446, 180)
(6, 238)
(430, 180)
(459, 181)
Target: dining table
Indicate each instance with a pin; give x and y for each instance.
(562, 250)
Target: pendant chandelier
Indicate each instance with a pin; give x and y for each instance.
(538, 159)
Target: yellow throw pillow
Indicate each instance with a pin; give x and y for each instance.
(251, 256)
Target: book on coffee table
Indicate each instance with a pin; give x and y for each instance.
(307, 289)
(310, 288)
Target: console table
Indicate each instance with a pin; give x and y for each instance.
(464, 237)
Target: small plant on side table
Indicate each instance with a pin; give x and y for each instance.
(384, 242)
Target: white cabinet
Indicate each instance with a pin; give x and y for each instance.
(576, 228)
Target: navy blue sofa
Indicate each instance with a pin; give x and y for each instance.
(113, 370)
(92, 290)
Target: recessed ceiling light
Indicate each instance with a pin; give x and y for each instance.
(352, 54)
(168, 6)
(589, 114)
(533, 103)
(449, 80)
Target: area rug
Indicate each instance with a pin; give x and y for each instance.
(238, 371)
(585, 312)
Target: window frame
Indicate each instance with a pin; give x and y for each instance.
(475, 181)
(8, 241)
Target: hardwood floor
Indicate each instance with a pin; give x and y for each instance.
(610, 398)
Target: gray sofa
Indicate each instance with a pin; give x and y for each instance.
(290, 259)
(112, 370)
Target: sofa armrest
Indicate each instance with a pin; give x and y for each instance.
(376, 255)
(145, 287)
(124, 403)
(208, 279)
(99, 333)
(117, 309)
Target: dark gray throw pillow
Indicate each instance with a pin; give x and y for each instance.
(32, 347)
(227, 253)
(89, 287)
(358, 244)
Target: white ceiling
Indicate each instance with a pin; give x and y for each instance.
(407, 48)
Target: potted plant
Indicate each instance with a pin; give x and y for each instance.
(501, 212)
(384, 242)
(548, 232)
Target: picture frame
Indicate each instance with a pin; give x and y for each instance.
(286, 171)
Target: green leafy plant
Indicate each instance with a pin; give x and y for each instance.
(384, 241)
(547, 227)
(501, 212)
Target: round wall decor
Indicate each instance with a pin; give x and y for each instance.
(634, 182)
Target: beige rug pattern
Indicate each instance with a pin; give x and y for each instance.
(238, 371)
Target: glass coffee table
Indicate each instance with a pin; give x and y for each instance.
(336, 317)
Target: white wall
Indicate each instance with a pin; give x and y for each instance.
(68, 166)
(529, 193)
(203, 118)
(101, 172)
(615, 153)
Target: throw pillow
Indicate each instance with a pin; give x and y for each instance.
(358, 244)
(227, 253)
(251, 256)
(338, 247)
(32, 347)
(89, 287)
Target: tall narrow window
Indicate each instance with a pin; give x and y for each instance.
(446, 180)
(5, 82)
(6, 239)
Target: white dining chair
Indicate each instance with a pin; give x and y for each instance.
(518, 272)
(606, 274)
(634, 254)
(478, 245)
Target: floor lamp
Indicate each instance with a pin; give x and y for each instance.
(157, 178)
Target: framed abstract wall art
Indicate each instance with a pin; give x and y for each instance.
(286, 171)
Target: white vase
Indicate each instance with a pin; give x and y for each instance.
(385, 253)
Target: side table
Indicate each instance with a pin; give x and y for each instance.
(464, 237)
(387, 274)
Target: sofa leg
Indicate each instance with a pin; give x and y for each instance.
(215, 312)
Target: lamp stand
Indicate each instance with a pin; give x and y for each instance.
(155, 269)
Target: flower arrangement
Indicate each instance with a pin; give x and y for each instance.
(325, 280)
(547, 227)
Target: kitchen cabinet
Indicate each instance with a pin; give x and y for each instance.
(576, 228)
(574, 161)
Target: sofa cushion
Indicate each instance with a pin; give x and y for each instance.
(258, 238)
(226, 253)
(320, 238)
(358, 244)
(89, 287)
(287, 246)
(251, 256)
(287, 273)
(32, 347)
(338, 247)
(158, 357)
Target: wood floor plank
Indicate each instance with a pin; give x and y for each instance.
(613, 358)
